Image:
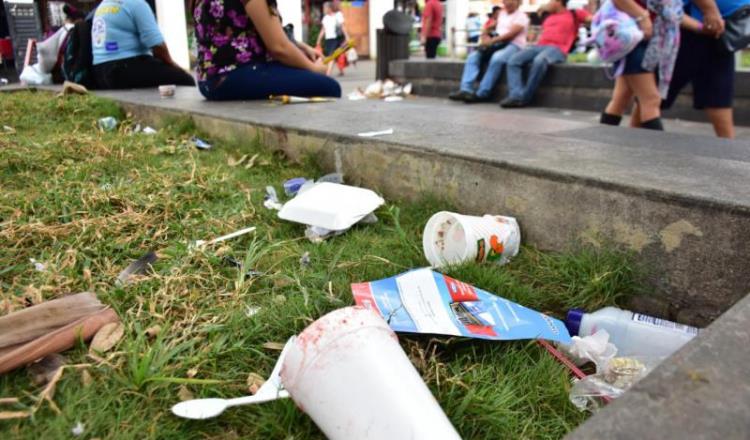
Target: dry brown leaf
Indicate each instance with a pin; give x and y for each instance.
(7, 415)
(232, 162)
(184, 394)
(86, 378)
(254, 382)
(191, 373)
(278, 346)
(107, 337)
(153, 331)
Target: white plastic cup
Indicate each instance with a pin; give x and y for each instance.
(167, 91)
(451, 238)
(349, 373)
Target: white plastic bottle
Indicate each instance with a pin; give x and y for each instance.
(633, 334)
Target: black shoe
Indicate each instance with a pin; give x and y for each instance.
(512, 103)
(473, 98)
(460, 96)
(610, 119)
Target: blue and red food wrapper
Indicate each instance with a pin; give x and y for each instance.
(424, 301)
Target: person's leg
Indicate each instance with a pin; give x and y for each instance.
(430, 47)
(515, 71)
(471, 71)
(645, 89)
(549, 55)
(258, 81)
(495, 69)
(621, 99)
(144, 72)
(722, 120)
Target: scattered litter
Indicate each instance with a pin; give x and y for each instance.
(271, 199)
(316, 234)
(292, 186)
(622, 373)
(349, 363)
(107, 337)
(384, 89)
(140, 266)
(4, 81)
(248, 274)
(375, 133)
(393, 98)
(71, 88)
(633, 334)
(356, 95)
(423, 301)
(304, 260)
(337, 177)
(251, 311)
(167, 91)
(287, 99)
(8, 129)
(44, 370)
(147, 130)
(594, 348)
(78, 429)
(451, 238)
(271, 389)
(39, 267)
(331, 206)
(374, 90)
(561, 358)
(200, 143)
(235, 234)
(107, 124)
(254, 382)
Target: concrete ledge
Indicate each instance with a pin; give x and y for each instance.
(679, 202)
(701, 392)
(572, 86)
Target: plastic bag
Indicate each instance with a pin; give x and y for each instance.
(33, 76)
(595, 348)
(621, 373)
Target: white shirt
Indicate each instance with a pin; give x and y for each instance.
(505, 21)
(329, 26)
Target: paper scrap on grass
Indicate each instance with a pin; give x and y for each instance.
(376, 133)
(423, 301)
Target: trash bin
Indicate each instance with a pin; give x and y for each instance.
(392, 41)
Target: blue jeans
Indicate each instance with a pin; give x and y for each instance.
(259, 80)
(494, 69)
(540, 58)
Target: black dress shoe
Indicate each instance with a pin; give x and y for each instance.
(459, 96)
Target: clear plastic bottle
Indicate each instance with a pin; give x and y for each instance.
(632, 333)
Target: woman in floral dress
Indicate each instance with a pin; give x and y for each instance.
(244, 53)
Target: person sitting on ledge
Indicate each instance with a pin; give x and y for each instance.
(243, 53)
(494, 52)
(129, 50)
(559, 30)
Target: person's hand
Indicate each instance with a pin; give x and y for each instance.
(313, 54)
(646, 26)
(320, 67)
(713, 24)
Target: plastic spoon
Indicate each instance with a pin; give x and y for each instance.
(272, 389)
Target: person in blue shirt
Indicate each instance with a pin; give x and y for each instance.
(129, 50)
(703, 62)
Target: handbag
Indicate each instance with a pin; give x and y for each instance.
(736, 35)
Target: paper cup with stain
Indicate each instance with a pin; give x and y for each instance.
(349, 373)
(451, 238)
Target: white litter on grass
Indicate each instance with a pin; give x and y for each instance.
(78, 429)
(394, 98)
(376, 133)
(39, 267)
(148, 130)
(251, 311)
(201, 243)
(271, 200)
(331, 206)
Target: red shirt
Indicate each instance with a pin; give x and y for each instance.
(560, 29)
(433, 11)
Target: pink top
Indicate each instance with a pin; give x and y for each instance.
(560, 29)
(434, 11)
(505, 21)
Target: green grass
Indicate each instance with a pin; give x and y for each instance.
(87, 203)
